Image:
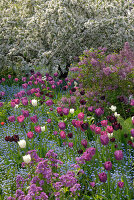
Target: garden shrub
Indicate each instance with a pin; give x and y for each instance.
(107, 79)
(48, 34)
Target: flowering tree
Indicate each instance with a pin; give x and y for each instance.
(50, 33)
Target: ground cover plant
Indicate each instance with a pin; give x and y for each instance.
(59, 142)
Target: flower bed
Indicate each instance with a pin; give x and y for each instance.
(59, 143)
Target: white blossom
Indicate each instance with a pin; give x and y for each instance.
(27, 158)
(113, 108)
(22, 144)
(71, 111)
(34, 102)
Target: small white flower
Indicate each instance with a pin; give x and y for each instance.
(22, 143)
(113, 108)
(110, 135)
(44, 78)
(34, 102)
(42, 128)
(16, 106)
(132, 117)
(75, 83)
(132, 138)
(72, 111)
(27, 158)
(116, 114)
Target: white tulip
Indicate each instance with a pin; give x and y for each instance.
(72, 111)
(34, 102)
(22, 143)
(16, 106)
(27, 158)
(75, 83)
(116, 114)
(43, 128)
(132, 138)
(110, 135)
(113, 108)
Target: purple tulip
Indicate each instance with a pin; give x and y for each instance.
(11, 118)
(92, 184)
(65, 111)
(120, 184)
(84, 143)
(132, 132)
(102, 177)
(1, 104)
(118, 155)
(25, 113)
(49, 102)
(62, 125)
(20, 118)
(37, 129)
(108, 165)
(104, 139)
(99, 112)
(34, 119)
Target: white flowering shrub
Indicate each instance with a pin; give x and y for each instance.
(48, 33)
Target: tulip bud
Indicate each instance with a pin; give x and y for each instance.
(27, 158)
(72, 111)
(22, 143)
(113, 108)
(34, 102)
(43, 128)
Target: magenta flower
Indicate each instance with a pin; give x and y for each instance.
(34, 119)
(11, 118)
(16, 79)
(104, 123)
(108, 165)
(99, 112)
(49, 102)
(104, 139)
(37, 129)
(92, 184)
(12, 104)
(62, 125)
(25, 85)
(120, 184)
(3, 79)
(1, 104)
(25, 113)
(24, 101)
(132, 132)
(103, 177)
(81, 116)
(118, 155)
(9, 76)
(109, 129)
(20, 118)
(92, 127)
(65, 111)
(49, 121)
(90, 109)
(97, 130)
(84, 143)
(17, 101)
(62, 134)
(70, 144)
(30, 135)
(59, 110)
(56, 74)
(132, 102)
